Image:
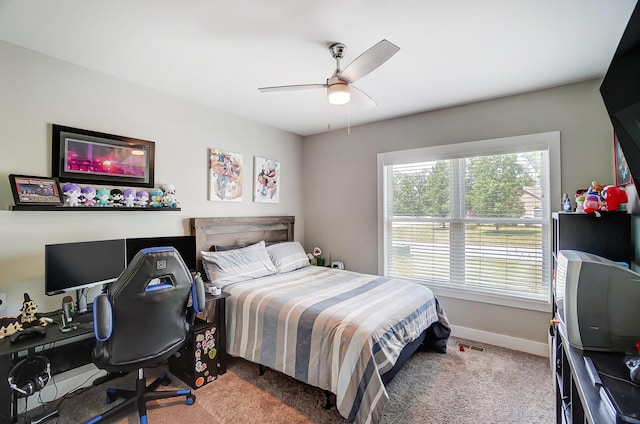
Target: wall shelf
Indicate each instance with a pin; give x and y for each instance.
(48, 208)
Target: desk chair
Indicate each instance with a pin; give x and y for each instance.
(142, 321)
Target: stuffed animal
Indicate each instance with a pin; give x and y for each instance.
(142, 199)
(129, 197)
(591, 203)
(614, 197)
(71, 194)
(155, 197)
(89, 196)
(116, 198)
(28, 317)
(102, 196)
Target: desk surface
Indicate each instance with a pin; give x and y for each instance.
(53, 335)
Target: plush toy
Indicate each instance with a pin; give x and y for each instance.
(155, 198)
(613, 197)
(591, 203)
(102, 197)
(88, 196)
(142, 199)
(29, 317)
(71, 194)
(169, 196)
(116, 198)
(129, 197)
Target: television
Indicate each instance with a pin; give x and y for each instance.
(598, 302)
(82, 265)
(185, 245)
(620, 90)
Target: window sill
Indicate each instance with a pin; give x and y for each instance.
(493, 299)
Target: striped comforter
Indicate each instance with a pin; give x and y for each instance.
(333, 329)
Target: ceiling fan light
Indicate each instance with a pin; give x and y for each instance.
(339, 93)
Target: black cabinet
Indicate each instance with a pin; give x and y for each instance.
(608, 235)
(578, 400)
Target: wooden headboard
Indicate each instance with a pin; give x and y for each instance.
(240, 231)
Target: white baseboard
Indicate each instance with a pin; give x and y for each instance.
(509, 342)
(62, 384)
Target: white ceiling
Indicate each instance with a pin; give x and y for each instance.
(217, 53)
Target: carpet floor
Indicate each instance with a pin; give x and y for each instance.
(480, 384)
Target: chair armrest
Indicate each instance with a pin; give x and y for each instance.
(197, 295)
(102, 317)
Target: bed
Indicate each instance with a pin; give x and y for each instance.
(345, 332)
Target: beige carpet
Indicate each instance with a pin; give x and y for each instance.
(495, 385)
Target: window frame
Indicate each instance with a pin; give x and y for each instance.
(549, 141)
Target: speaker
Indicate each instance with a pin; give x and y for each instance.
(30, 375)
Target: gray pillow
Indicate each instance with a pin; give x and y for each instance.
(236, 265)
(288, 256)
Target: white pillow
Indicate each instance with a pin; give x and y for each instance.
(288, 256)
(232, 266)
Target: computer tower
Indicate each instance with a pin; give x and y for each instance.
(196, 363)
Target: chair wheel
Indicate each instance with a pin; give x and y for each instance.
(109, 400)
(164, 379)
(191, 399)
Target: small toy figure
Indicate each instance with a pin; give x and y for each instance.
(115, 198)
(29, 316)
(566, 203)
(102, 197)
(71, 194)
(155, 198)
(142, 199)
(129, 197)
(88, 196)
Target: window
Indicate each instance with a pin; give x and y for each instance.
(472, 219)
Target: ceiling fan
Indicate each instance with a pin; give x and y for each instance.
(340, 85)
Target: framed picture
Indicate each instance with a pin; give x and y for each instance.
(266, 181)
(89, 157)
(623, 174)
(29, 190)
(225, 176)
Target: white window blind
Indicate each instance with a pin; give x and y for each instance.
(472, 217)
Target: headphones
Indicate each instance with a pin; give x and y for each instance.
(30, 375)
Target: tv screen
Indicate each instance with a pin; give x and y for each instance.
(597, 301)
(620, 90)
(185, 245)
(73, 266)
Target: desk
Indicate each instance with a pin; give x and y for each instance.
(9, 352)
(214, 312)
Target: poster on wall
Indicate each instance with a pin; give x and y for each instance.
(266, 181)
(225, 176)
(623, 174)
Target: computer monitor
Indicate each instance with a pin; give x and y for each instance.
(185, 245)
(79, 266)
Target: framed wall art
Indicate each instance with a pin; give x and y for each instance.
(225, 176)
(623, 174)
(83, 156)
(266, 181)
(28, 190)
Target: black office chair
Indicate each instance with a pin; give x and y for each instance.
(143, 320)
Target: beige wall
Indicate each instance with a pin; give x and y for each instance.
(36, 90)
(340, 195)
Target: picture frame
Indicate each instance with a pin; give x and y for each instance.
(32, 190)
(266, 180)
(225, 176)
(90, 157)
(622, 172)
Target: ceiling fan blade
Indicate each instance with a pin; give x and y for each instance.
(291, 87)
(362, 99)
(368, 61)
